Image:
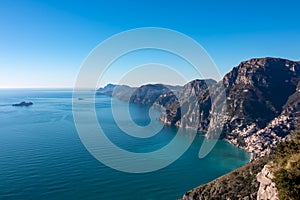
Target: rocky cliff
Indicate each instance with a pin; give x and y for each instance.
(154, 94)
(258, 93)
(262, 104)
(267, 189)
(191, 107)
(262, 108)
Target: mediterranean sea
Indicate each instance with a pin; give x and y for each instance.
(42, 156)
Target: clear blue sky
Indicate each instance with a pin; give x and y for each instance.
(43, 43)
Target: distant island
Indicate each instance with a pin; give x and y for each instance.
(23, 103)
(263, 109)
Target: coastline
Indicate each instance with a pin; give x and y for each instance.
(251, 154)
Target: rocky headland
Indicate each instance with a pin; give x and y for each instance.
(262, 103)
(261, 109)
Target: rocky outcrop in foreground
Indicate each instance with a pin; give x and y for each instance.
(270, 177)
(267, 189)
(239, 184)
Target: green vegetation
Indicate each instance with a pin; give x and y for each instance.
(242, 183)
(286, 168)
(239, 184)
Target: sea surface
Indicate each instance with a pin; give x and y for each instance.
(42, 156)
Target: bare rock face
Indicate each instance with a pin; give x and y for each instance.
(275, 113)
(263, 104)
(292, 107)
(257, 90)
(267, 189)
(191, 107)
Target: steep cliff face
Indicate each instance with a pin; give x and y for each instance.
(258, 93)
(262, 104)
(257, 90)
(256, 84)
(191, 107)
(292, 108)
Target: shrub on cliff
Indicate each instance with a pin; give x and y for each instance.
(286, 167)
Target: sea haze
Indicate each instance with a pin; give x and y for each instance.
(42, 156)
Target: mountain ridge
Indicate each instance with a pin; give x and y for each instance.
(262, 109)
(262, 103)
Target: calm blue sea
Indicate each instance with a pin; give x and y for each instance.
(42, 157)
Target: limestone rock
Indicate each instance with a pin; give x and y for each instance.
(267, 189)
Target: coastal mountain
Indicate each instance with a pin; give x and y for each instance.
(147, 95)
(262, 103)
(191, 107)
(258, 91)
(262, 109)
(107, 90)
(122, 92)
